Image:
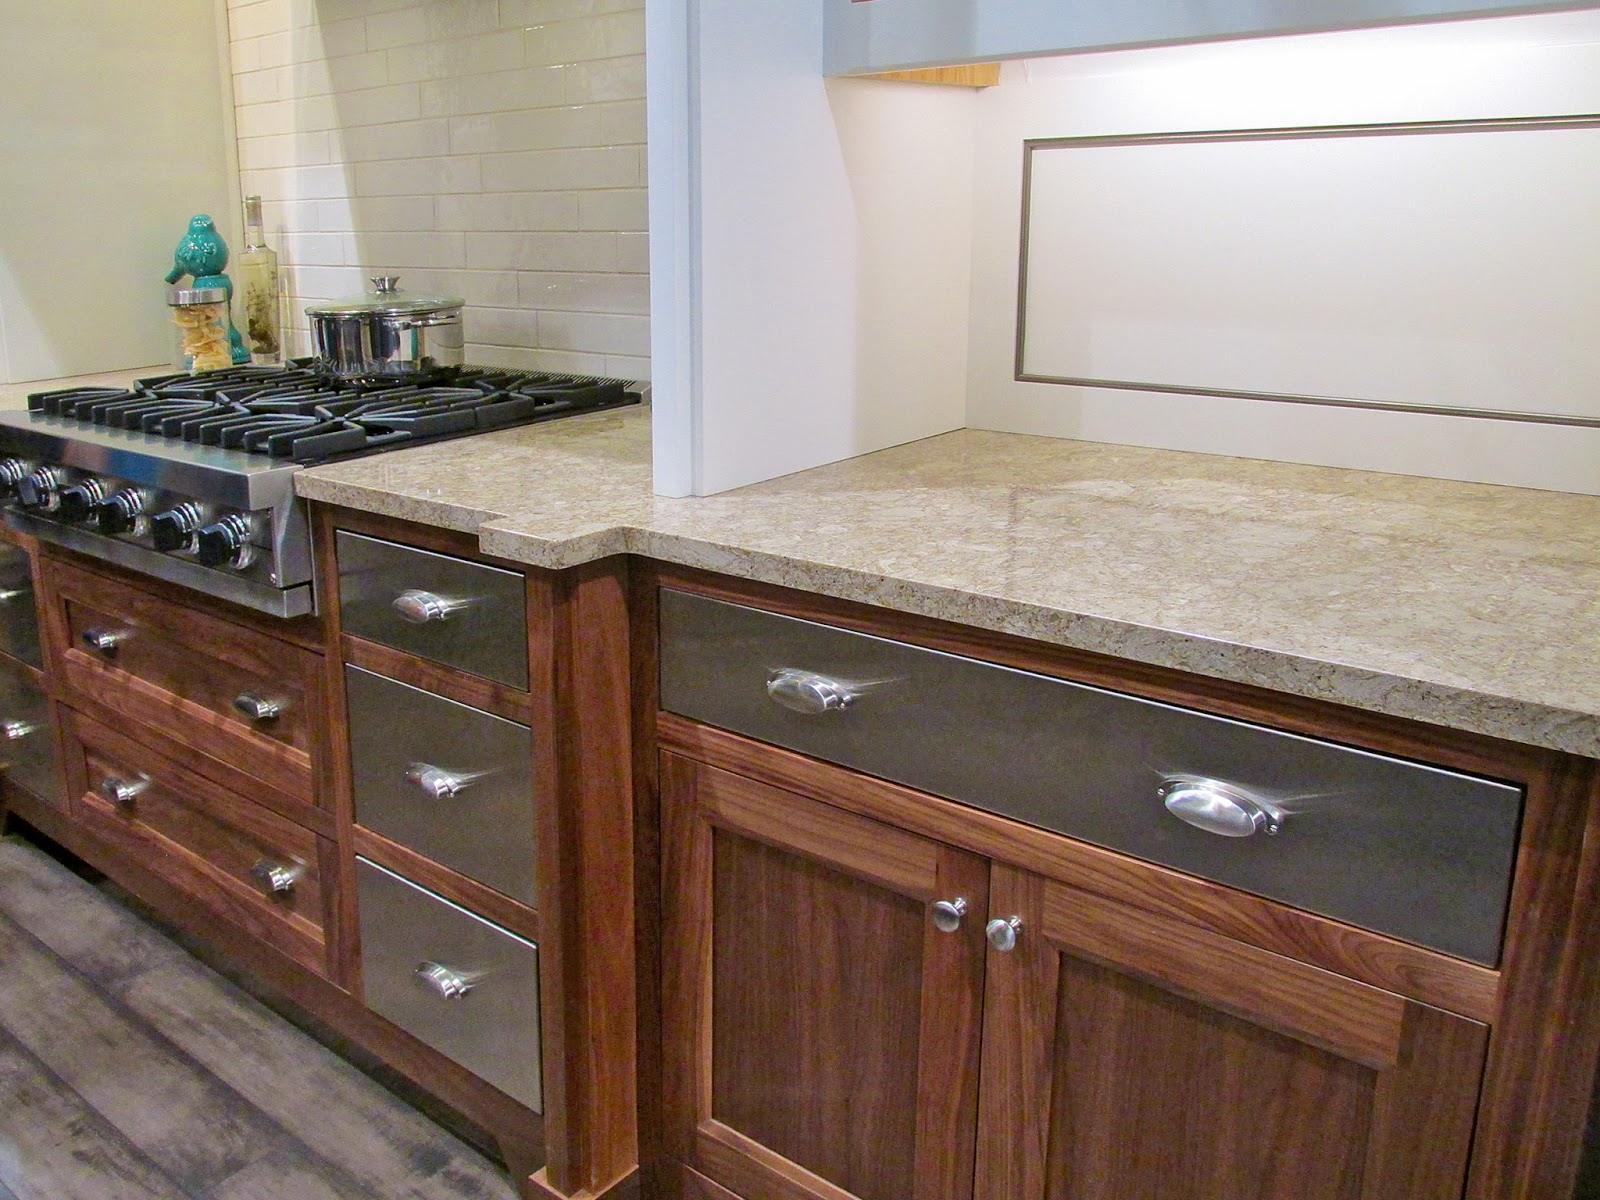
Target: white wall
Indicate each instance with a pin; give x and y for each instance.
(1519, 66)
(810, 239)
(100, 171)
(491, 149)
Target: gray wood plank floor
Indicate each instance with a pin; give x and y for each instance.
(129, 1069)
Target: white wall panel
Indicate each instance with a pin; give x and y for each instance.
(818, 237)
(1544, 65)
(101, 166)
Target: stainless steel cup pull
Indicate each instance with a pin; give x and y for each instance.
(277, 877)
(14, 593)
(1217, 807)
(123, 792)
(444, 982)
(104, 641)
(947, 914)
(17, 728)
(1002, 933)
(440, 783)
(420, 607)
(257, 707)
(809, 693)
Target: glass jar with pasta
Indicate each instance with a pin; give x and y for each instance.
(200, 329)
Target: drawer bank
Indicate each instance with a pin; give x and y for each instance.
(686, 886)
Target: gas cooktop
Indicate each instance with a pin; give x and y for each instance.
(295, 413)
(191, 478)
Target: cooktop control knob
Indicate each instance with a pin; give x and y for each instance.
(226, 543)
(41, 489)
(123, 513)
(174, 530)
(12, 472)
(79, 501)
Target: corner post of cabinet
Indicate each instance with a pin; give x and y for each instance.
(579, 644)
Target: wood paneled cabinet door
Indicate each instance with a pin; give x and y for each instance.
(821, 1014)
(1130, 1056)
(835, 987)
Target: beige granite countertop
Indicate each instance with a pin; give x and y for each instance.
(1472, 606)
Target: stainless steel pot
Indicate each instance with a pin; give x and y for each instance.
(387, 334)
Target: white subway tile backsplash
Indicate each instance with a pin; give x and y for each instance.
(534, 129)
(501, 91)
(489, 149)
(390, 214)
(606, 79)
(565, 41)
(562, 170)
(417, 176)
(320, 76)
(502, 326)
(331, 39)
(535, 12)
(390, 253)
(622, 122)
(498, 51)
(565, 291)
(508, 212)
(403, 27)
(607, 332)
(543, 251)
(378, 105)
(620, 210)
(259, 87)
(633, 252)
(400, 139)
(623, 366)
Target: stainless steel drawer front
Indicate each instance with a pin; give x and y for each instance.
(451, 782)
(1417, 852)
(459, 613)
(27, 742)
(19, 622)
(418, 952)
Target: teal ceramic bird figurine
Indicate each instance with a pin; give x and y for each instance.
(201, 251)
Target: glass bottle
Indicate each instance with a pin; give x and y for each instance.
(256, 271)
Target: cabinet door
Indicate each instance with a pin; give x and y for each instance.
(1128, 1056)
(821, 1031)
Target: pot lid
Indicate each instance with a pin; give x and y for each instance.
(387, 299)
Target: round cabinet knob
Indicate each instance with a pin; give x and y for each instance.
(443, 981)
(78, 502)
(123, 792)
(947, 914)
(123, 513)
(173, 531)
(103, 641)
(277, 877)
(226, 543)
(1002, 934)
(809, 693)
(1217, 807)
(419, 607)
(257, 707)
(40, 489)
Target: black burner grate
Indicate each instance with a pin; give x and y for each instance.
(297, 414)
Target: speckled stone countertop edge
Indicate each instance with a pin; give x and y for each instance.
(1463, 709)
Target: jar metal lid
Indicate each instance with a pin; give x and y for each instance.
(178, 297)
(386, 300)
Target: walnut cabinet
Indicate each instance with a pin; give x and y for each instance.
(867, 990)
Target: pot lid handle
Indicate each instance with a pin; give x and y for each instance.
(386, 285)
